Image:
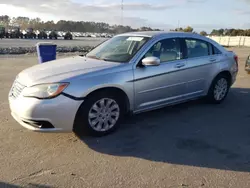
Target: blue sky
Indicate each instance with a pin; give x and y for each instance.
(164, 14)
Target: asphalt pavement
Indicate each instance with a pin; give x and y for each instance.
(195, 145)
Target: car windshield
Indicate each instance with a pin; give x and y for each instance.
(118, 49)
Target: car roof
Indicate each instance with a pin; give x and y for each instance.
(159, 33)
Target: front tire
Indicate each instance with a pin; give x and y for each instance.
(99, 115)
(219, 89)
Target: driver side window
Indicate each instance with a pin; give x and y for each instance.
(166, 50)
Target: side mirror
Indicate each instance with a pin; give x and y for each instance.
(151, 61)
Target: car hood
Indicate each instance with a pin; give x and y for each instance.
(62, 69)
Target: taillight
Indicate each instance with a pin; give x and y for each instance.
(236, 59)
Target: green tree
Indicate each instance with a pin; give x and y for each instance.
(4, 20)
(22, 22)
(188, 29)
(203, 33)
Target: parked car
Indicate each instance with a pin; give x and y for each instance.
(14, 32)
(2, 32)
(132, 72)
(53, 35)
(247, 65)
(68, 36)
(42, 35)
(30, 34)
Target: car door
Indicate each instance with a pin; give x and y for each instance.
(158, 85)
(199, 65)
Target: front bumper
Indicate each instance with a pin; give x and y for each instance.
(50, 115)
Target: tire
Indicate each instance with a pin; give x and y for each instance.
(221, 84)
(82, 124)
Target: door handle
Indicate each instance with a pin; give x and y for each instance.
(179, 65)
(213, 59)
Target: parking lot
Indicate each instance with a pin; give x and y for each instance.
(84, 41)
(188, 145)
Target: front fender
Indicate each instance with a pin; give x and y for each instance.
(121, 80)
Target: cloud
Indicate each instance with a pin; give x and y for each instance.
(99, 6)
(246, 25)
(97, 10)
(242, 11)
(108, 11)
(196, 1)
(209, 26)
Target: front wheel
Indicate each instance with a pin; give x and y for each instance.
(99, 115)
(219, 89)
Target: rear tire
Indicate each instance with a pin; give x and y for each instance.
(219, 89)
(92, 119)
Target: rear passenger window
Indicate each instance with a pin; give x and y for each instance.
(196, 48)
(216, 50)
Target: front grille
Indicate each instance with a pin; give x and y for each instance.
(16, 89)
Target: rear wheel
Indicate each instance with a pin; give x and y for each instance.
(219, 89)
(99, 115)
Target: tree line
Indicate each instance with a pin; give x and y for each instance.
(231, 32)
(100, 27)
(219, 32)
(64, 25)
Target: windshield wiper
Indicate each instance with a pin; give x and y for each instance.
(105, 59)
(93, 57)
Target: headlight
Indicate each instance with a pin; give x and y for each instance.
(44, 91)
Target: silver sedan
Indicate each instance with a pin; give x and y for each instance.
(130, 73)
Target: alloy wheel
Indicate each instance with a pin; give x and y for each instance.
(220, 89)
(103, 114)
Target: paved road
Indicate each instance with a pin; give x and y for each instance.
(6, 43)
(191, 145)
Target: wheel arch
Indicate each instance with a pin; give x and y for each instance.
(114, 90)
(222, 72)
(227, 74)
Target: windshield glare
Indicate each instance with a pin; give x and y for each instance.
(118, 49)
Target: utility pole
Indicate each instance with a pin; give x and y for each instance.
(122, 8)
